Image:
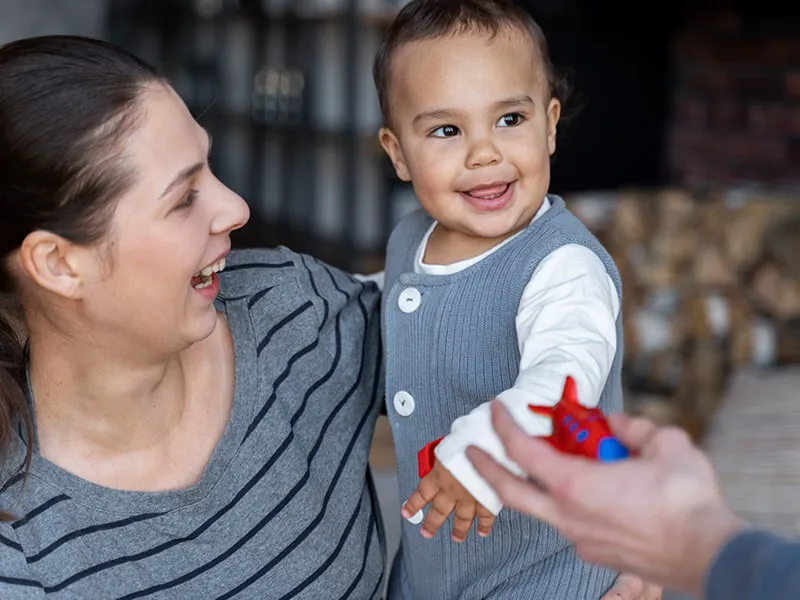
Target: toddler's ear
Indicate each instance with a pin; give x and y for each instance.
(553, 115)
(391, 145)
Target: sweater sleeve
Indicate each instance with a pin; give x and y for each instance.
(566, 325)
(755, 565)
(16, 580)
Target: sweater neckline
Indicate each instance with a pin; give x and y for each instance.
(132, 502)
(535, 228)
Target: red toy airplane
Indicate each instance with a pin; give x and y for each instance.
(580, 430)
(577, 430)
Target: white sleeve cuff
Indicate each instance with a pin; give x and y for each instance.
(475, 429)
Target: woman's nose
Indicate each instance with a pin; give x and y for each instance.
(231, 214)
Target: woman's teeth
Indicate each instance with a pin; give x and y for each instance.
(215, 268)
(204, 283)
(205, 275)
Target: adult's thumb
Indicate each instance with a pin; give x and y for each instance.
(633, 432)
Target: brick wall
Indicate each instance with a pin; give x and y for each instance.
(736, 105)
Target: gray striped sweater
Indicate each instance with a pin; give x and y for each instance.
(285, 508)
(450, 344)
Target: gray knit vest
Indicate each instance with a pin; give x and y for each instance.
(454, 351)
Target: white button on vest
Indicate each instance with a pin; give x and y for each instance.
(416, 518)
(403, 403)
(409, 300)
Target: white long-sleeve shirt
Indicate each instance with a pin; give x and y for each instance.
(566, 325)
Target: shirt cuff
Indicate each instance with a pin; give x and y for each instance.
(747, 562)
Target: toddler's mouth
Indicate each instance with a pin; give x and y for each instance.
(488, 192)
(489, 197)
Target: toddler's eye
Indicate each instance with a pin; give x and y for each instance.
(510, 120)
(445, 131)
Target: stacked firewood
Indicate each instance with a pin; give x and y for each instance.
(711, 284)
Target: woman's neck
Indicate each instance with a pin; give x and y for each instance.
(84, 393)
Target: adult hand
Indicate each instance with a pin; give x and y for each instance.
(659, 515)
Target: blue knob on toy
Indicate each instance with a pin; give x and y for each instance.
(609, 449)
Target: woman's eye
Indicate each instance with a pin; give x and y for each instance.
(510, 120)
(445, 131)
(187, 200)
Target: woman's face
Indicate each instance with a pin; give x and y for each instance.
(172, 224)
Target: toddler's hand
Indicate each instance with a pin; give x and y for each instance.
(631, 587)
(445, 495)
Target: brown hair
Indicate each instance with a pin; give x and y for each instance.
(66, 105)
(430, 19)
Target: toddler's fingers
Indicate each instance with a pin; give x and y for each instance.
(463, 517)
(425, 492)
(441, 507)
(485, 521)
(626, 587)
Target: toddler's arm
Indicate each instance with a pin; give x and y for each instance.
(566, 325)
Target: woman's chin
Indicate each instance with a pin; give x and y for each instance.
(203, 326)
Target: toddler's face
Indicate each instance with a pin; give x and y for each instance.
(473, 128)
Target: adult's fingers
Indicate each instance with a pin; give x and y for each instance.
(559, 473)
(652, 592)
(633, 432)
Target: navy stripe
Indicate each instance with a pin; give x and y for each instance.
(356, 283)
(308, 530)
(15, 479)
(174, 542)
(167, 545)
(300, 587)
(18, 581)
(319, 382)
(329, 561)
(316, 291)
(282, 323)
(89, 530)
(10, 543)
(278, 381)
(284, 502)
(259, 266)
(256, 297)
(360, 574)
(39, 510)
(377, 588)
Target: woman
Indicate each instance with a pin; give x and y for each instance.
(188, 442)
(182, 422)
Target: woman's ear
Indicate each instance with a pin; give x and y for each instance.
(391, 146)
(52, 262)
